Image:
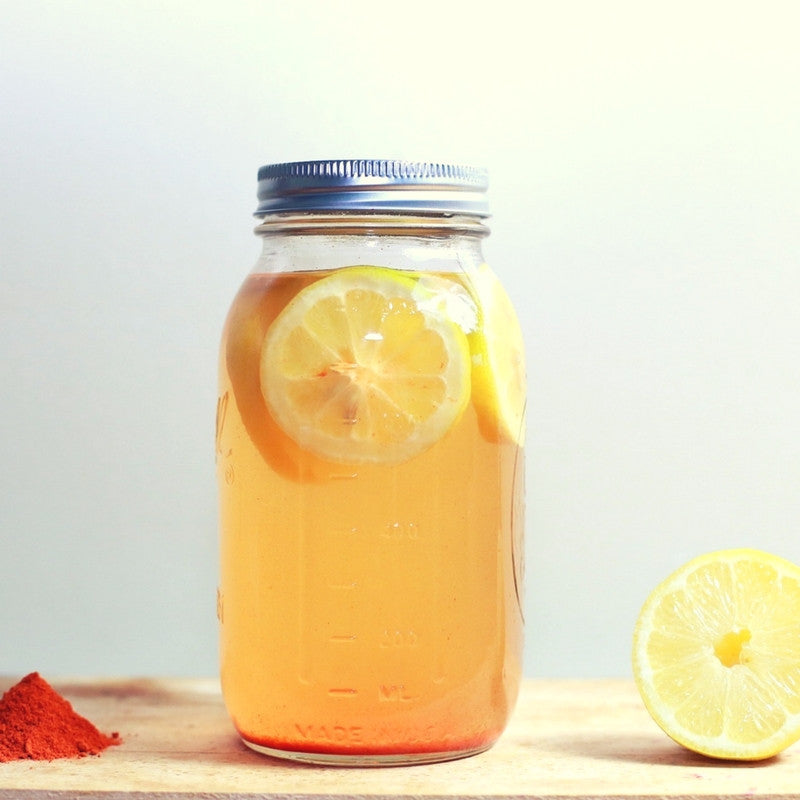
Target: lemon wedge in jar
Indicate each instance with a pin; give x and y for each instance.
(716, 654)
(498, 360)
(356, 370)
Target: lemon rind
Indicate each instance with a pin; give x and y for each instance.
(501, 419)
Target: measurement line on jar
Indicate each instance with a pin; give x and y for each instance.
(343, 637)
(342, 692)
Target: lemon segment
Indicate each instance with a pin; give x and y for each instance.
(716, 654)
(356, 370)
(498, 360)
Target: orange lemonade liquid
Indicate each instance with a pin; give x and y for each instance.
(365, 609)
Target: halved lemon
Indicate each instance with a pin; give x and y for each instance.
(498, 360)
(716, 654)
(356, 370)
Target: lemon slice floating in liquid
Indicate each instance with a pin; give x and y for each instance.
(356, 371)
(498, 360)
(716, 654)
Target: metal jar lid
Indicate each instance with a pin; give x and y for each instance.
(356, 185)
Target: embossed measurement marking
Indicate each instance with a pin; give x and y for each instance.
(342, 692)
(401, 530)
(222, 411)
(395, 694)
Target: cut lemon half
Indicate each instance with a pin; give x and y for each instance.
(498, 360)
(716, 654)
(355, 370)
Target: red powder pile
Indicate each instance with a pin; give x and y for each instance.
(37, 722)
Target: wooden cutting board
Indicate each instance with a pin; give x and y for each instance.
(567, 739)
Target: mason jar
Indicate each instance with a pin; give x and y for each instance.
(370, 459)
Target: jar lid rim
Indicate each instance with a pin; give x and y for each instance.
(384, 185)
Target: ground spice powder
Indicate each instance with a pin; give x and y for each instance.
(36, 722)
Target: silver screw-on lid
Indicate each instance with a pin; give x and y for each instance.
(372, 186)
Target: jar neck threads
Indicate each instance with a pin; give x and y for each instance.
(347, 223)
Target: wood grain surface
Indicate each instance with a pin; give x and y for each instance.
(567, 739)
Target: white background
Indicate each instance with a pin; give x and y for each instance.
(645, 184)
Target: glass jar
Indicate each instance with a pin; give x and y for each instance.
(370, 429)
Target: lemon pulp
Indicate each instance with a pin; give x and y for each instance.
(716, 654)
(357, 369)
